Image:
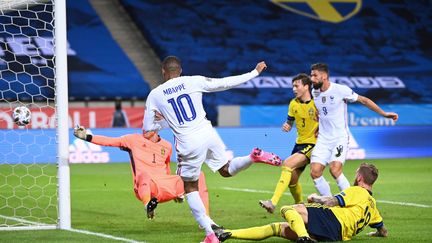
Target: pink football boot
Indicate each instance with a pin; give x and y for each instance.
(260, 156)
(211, 238)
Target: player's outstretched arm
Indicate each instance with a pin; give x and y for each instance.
(81, 133)
(324, 200)
(220, 84)
(373, 106)
(261, 66)
(381, 232)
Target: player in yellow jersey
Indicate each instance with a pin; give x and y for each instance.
(325, 218)
(302, 111)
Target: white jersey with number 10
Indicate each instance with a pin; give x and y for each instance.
(179, 100)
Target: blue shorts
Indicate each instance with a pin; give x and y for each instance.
(323, 224)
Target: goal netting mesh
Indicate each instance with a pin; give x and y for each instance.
(28, 155)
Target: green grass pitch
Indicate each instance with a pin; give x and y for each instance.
(103, 201)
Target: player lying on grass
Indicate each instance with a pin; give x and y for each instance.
(302, 111)
(150, 163)
(325, 218)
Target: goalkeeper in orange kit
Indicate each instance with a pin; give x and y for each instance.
(150, 157)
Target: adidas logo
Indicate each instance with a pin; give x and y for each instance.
(81, 151)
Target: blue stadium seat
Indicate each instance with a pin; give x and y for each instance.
(220, 38)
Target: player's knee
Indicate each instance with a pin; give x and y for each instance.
(315, 173)
(286, 209)
(190, 186)
(316, 170)
(224, 171)
(287, 163)
(295, 161)
(335, 170)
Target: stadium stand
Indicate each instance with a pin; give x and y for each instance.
(98, 68)
(101, 70)
(384, 44)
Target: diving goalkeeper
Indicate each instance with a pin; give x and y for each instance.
(150, 157)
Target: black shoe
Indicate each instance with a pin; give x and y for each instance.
(220, 233)
(305, 239)
(151, 206)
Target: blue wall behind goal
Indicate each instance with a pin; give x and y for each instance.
(38, 146)
(358, 115)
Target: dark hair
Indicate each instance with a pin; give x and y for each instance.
(304, 78)
(171, 63)
(369, 173)
(322, 67)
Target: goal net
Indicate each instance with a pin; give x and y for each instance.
(32, 156)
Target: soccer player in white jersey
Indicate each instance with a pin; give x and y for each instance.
(332, 144)
(177, 103)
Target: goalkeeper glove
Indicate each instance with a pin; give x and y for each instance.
(81, 133)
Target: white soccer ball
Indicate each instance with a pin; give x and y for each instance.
(21, 115)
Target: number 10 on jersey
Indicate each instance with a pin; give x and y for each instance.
(179, 108)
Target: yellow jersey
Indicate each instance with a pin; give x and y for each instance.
(357, 209)
(305, 116)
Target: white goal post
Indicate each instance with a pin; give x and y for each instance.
(34, 161)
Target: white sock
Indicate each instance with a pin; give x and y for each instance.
(322, 186)
(342, 182)
(199, 211)
(211, 221)
(238, 164)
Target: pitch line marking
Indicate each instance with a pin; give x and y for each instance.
(72, 230)
(20, 220)
(380, 201)
(105, 236)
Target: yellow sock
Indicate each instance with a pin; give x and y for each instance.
(294, 220)
(282, 184)
(296, 191)
(257, 233)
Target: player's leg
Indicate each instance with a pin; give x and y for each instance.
(336, 166)
(142, 186)
(280, 229)
(190, 169)
(297, 218)
(203, 192)
(257, 155)
(217, 160)
(336, 170)
(299, 159)
(296, 160)
(257, 233)
(145, 190)
(168, 187)
(320, 155)
(295, 186)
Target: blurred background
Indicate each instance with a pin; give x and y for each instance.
(379, 48)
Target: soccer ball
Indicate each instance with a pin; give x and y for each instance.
(21, 115)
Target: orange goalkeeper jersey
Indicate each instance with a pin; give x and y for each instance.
(145, 155)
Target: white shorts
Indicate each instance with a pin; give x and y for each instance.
(210, 151)
(325, 151)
